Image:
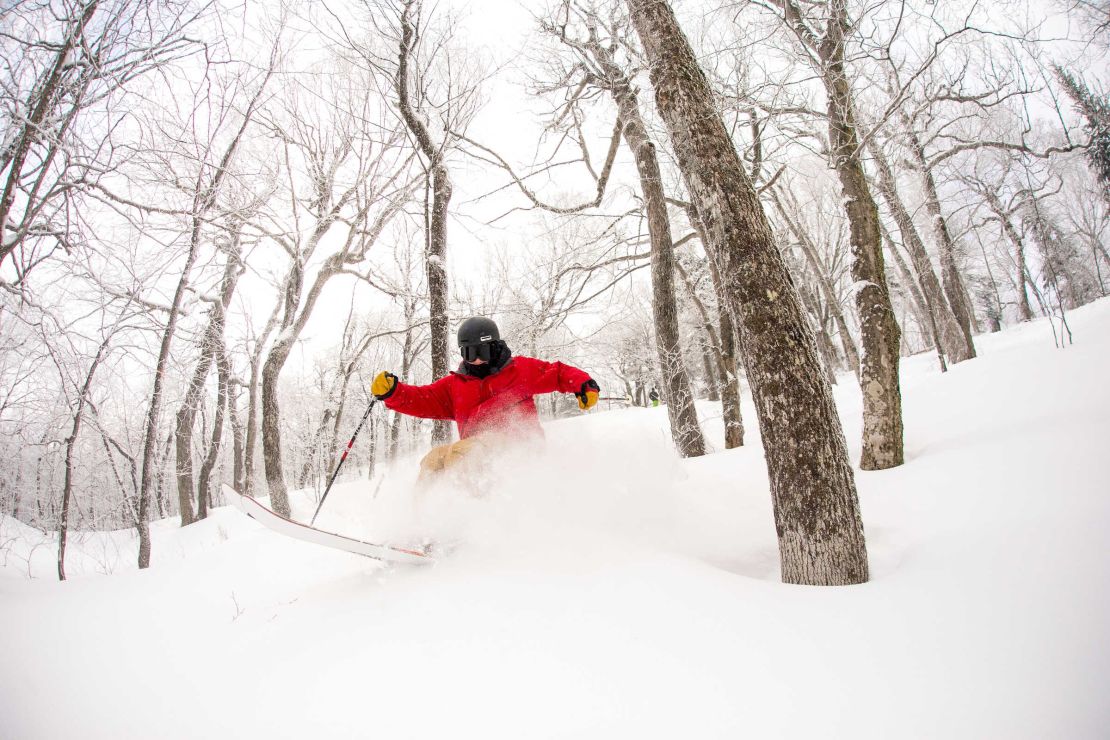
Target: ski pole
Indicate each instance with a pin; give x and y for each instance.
(343, 458)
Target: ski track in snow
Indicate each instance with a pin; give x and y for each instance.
(608, 589)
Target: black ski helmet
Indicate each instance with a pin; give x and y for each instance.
(475, 336)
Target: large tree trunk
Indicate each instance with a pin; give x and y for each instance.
(813, 490)
(237, 433)
(435, 260)
(879, 334)
(948, 331)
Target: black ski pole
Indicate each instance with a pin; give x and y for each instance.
(344, 458)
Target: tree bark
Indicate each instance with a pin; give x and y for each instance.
(211, 344)
(253, 388)
(436, 245)
(879, 334)
(813, 491)
(919, 303)
(824, 343)
(683, 416)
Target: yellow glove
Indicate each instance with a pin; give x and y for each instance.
(384, 385)
(587, 395)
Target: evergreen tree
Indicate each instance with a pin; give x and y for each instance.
(1095, 109)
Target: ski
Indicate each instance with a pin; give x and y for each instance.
(276, 522)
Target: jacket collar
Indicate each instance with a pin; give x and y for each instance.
(462, 373)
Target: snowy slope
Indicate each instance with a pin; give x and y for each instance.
(609, 589)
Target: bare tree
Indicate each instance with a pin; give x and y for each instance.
(212, 169)
(358, 180)
(812, 485)
(81, 403)
(211, 352)
(792, 215)
(597, 43)
(66, 66)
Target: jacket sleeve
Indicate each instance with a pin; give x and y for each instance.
(548, 377)
(426, 401)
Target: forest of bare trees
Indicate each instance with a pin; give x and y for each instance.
(218, 222)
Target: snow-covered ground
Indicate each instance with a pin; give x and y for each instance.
(608, 589)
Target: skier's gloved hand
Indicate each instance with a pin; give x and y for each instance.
(587, 395)
(383, 386)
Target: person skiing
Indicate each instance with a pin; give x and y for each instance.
(490, 397)
(654, 397)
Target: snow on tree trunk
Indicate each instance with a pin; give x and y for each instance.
(813, 490)
(879, 333)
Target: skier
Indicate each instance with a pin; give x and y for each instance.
(654, 397)
(489, 397)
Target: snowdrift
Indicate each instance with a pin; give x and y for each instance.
(607, 589)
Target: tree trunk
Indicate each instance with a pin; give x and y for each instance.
(947, 328)
(436, 236)
(154, 409)
(824, 343)
(954, 288)
(210, 344)
(251, 438)
(71, 444)
(683, 416)
(223, 372)
(917, 300)
(813, 490)
(993, 202)
(879, 334)
(726, 342)
(709, 368)
(238, 461)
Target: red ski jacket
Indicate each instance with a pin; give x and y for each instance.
(500, 402)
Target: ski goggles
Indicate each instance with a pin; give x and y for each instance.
(472, 352)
